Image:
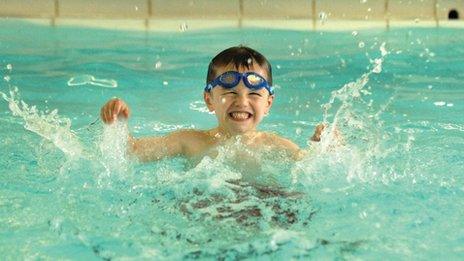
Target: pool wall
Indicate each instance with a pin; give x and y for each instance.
(298, 14)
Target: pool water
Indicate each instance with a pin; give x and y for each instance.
(393, 189)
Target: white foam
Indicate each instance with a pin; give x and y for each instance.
(90, 79)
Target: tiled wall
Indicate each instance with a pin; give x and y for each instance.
(239, 10)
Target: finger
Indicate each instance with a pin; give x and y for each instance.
(316, 137)
(108, 112)
(116, 109)
(126, 112)
(320, 127)
(102, 115)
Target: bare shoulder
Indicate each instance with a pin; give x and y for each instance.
(278, 141)
(190, 134)
(193, 142)
(284, 144)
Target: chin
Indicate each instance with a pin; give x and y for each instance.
(243, 130)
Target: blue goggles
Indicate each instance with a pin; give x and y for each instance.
(231, 79)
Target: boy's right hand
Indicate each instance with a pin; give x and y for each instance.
(113, 109)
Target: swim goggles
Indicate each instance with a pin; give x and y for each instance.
(231, 79)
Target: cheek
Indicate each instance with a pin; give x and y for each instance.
(261, 106)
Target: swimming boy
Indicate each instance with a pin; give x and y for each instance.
(239, 91)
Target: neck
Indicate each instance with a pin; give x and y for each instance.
(220, 134)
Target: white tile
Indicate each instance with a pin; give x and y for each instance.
(195, 9)
(27, 8)
(103, 8)
(351, 9)
(415, 10)
(271, 9)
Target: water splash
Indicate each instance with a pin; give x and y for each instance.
(352, 139)
(49, 125)
(113, 148)
(348, 96)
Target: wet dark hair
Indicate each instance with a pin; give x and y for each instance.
(241, 57)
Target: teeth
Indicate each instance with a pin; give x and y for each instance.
(240, 115)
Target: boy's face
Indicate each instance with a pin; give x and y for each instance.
(239, 109)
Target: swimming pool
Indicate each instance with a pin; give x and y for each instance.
(394, 190)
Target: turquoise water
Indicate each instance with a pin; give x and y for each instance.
(395, 189)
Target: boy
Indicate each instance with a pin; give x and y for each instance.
(239, 91)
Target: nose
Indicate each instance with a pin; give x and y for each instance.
(241, 99)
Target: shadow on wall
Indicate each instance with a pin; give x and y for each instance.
(453, 14)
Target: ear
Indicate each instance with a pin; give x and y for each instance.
(270, 100)
(207, 96)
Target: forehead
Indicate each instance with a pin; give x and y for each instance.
(252, 68)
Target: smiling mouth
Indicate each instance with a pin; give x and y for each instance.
(240, 116)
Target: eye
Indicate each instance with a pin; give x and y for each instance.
(256, 94)
(229, 93)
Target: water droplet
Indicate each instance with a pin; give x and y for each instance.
(322, 17)
(343, 62)
(7, 78)
(383, 50)
(439, 103)
(183, 27)
(249, 61)
(449, 104)
(278, 66)
(361, 44)
(363, 215)
(9, 67)
(136, 8)
(363, 1)
(354, 33)
(158, 64)
(165, 83)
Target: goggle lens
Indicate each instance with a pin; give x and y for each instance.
(254, 80)
(229, 78)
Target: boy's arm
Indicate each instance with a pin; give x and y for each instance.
(156, 148)
(286, 145)
(145, 149)
(294, 150)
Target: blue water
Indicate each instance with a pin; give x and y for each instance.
(395, 189)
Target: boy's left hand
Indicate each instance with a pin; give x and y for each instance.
(336, 135)
(317, 132)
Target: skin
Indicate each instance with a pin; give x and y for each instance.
(248, 106)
